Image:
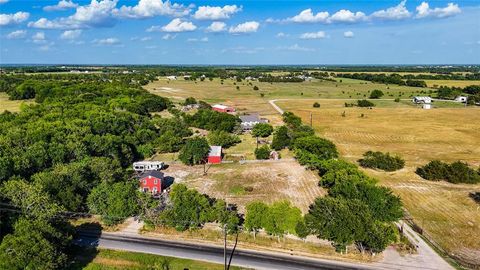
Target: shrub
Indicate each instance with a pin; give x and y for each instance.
(397, 99)
(190, 101)
(475, 196)
(382, 161)
(316, 105)
(365, 103)
(222, 138)
(255, 88)
(320, 147)
(457, 172)
(262, 152)
(376, 94)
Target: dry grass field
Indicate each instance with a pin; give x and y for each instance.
(450, 83)
(11, 105)
(241, 184)
(444, 210)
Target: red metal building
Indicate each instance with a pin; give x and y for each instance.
(215, 155)
(151, 181)
(223, 108)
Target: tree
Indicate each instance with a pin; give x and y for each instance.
(262, 152)
(383, 161)
(281, 218)
(255, 88)
(365, 103)
(291, 120)
(194, 151)
(320, 147)
(375, 94)
(280, 138)
(262, 130)
(114, 202)
(434, 170)
(316, 105)
(254, 216)
(301, 229)
(222, 138)
(190, 101)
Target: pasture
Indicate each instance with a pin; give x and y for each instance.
(11, 105)
(451, 83)
(444, 210)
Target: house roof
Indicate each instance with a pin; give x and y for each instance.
(250, 118)
(215, 151)
(220, 106)
(155, 174)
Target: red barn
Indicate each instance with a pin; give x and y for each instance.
(223, 108)
(151, 181)
(215, 155)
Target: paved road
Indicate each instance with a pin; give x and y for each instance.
(211, 253)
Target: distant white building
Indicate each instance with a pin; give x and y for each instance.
(427, 106)
(461, 99)
(142, 166)
(422, 100)
(172, 78)
(250, 120)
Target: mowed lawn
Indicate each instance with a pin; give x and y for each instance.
(11, 105)
(444, 210)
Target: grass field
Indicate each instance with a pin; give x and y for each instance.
(450, 83)
(11, 105)
(104, 259)
(444, 210)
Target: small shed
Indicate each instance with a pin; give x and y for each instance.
(151, 181)
(223, 108)
(215, 154)
(461, 99)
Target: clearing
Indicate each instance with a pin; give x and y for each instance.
(11, 105)
(442, 209)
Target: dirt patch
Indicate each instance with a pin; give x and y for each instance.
(116, 262)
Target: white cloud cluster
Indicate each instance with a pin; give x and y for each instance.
(151, 8)
(18, 34)
(39, 38)
(169, 36)
(216, 13)
(107, 41)
(348, 34)
(393, 13)
(71, 34)
(307, 16)
(313, 35)
(346, 16)
(282, 35)
(243, 28)
(61, 5)
(177, 25)
(217, 27)
(204, 39)
(424, 11)
(15, 18)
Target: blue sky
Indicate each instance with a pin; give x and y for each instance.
(239, 32)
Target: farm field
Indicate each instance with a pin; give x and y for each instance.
(263, 181)
(444, 210)
(451, 83)
(11, 105)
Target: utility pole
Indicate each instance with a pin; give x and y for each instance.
(311, 119)
(225, 245)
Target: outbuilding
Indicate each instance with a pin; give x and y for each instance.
(250, 120)
(461, 99)
(422, 100)
(215, 154)
(151, 181)
(223, 108)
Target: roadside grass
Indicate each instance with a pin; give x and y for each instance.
(444, 210)
(105, 259)
(11, 105)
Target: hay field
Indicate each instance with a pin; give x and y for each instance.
(444, 210)
(451, 83)
(11, 105)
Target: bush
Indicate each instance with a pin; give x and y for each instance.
(255, 88)
(475, 196)
(382, 161)
(376, 94)
(320, 147)
(222, 138)
(262, 152)
(457, 172)
(316, 105)
(365, 103)
(190, 101)
(397, 99)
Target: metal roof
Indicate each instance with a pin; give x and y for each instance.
(215, 151)
(155, 174)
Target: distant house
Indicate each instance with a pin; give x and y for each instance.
(142, 166)
(422, 100)
(172, 78)
(250, 120)
(215, 155)
(427, 106)
(461, 99)
(151, 181)
(223, 108)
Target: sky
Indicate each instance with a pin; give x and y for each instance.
(281, 32)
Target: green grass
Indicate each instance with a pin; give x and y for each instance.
(11, 105)
(104, 259)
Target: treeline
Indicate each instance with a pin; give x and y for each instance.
(271, 78)
(456, 172)
(473, 91)
(384, 78)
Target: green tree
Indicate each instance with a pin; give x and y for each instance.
(280, 138)
(254, 218)
(320, 147)
(301, 229)
(262, 152)
(222, 138)
(194, 151)
(375, 94)
(262, 130)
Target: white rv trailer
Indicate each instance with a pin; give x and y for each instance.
(142, 166)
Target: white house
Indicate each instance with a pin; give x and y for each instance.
(142, 166)
(172, 78)
(422, 100)
(461, 99)
(250, 120)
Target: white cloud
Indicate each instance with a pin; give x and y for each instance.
(62, 5)
(175, 26)
(46, 47)
(96, 14)
(3, 1)
(297, 47)
(216, 13)
(346, 16)
(14, 18)
(151, 8)
(39, 38)
(216, 27)
(348, 34)
(107, 41)
(393, 13)
(282, 35)
(146, 39)
(424, 11)
(204, 39)
(243, 28)
(71, 34)
(307, 16)
(17, 34)
(313, 35)
(169, 36)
